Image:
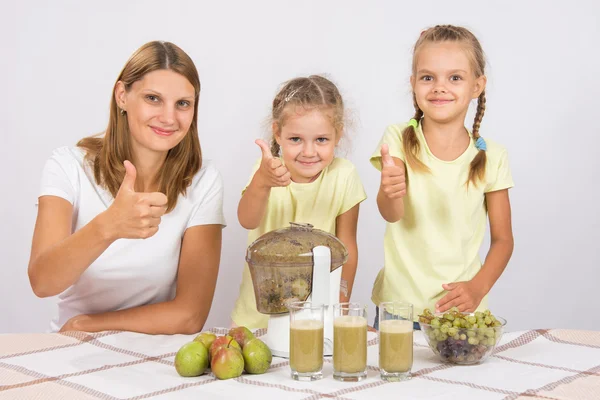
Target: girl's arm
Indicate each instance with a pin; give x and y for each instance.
(345, 230)
(271, 173)
(187, 312)
(468, 295)
(502, 242)
(253, 204)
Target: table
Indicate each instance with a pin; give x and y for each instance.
(536, 364)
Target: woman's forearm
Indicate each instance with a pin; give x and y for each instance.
(58, 267)
(167, 318)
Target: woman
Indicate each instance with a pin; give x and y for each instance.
(128, 231)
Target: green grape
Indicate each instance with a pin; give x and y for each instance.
(481, 330)
(473, 341)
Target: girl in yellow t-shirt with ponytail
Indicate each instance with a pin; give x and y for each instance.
(299, 179)
(440, 182)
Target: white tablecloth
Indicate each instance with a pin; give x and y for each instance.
(544, 364)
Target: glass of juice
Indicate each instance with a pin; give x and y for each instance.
(395, 340)
(349, 342)
(306, 340)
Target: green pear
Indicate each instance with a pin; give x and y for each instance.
(206, 338)
(257, 357)
(191, 359)
(223, 341)
(227, 362)
(241, 334)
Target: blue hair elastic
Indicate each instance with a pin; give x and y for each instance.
(414, 123)
(480, 144)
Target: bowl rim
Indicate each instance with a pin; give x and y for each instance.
(502, 320)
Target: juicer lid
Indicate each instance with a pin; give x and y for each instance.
(292, 247)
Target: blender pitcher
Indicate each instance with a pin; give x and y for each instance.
(297, 263)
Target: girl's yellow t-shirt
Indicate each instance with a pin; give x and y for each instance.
(438, 239)
(337, 189)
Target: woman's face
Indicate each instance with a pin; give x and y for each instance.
(160, 110)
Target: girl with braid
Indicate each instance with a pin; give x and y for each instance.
(299, 179)
(440, 181)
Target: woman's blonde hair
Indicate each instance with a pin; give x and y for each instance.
(108, 152)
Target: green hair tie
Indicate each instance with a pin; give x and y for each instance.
(414, 123)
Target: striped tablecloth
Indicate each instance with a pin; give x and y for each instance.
(539, 364)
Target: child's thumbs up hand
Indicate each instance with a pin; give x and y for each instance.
(393, 177)
(386, 159)
(272, 172)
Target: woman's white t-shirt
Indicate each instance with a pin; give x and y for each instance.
(131, 272)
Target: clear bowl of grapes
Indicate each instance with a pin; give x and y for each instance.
(462, 338)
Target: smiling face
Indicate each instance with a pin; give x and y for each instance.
(307, 140)
(160, 110)
(444, 81)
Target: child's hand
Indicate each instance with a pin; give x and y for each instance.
(393, 179)
(272, 172)
(464, 295)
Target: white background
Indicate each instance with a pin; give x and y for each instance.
(59, 61)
